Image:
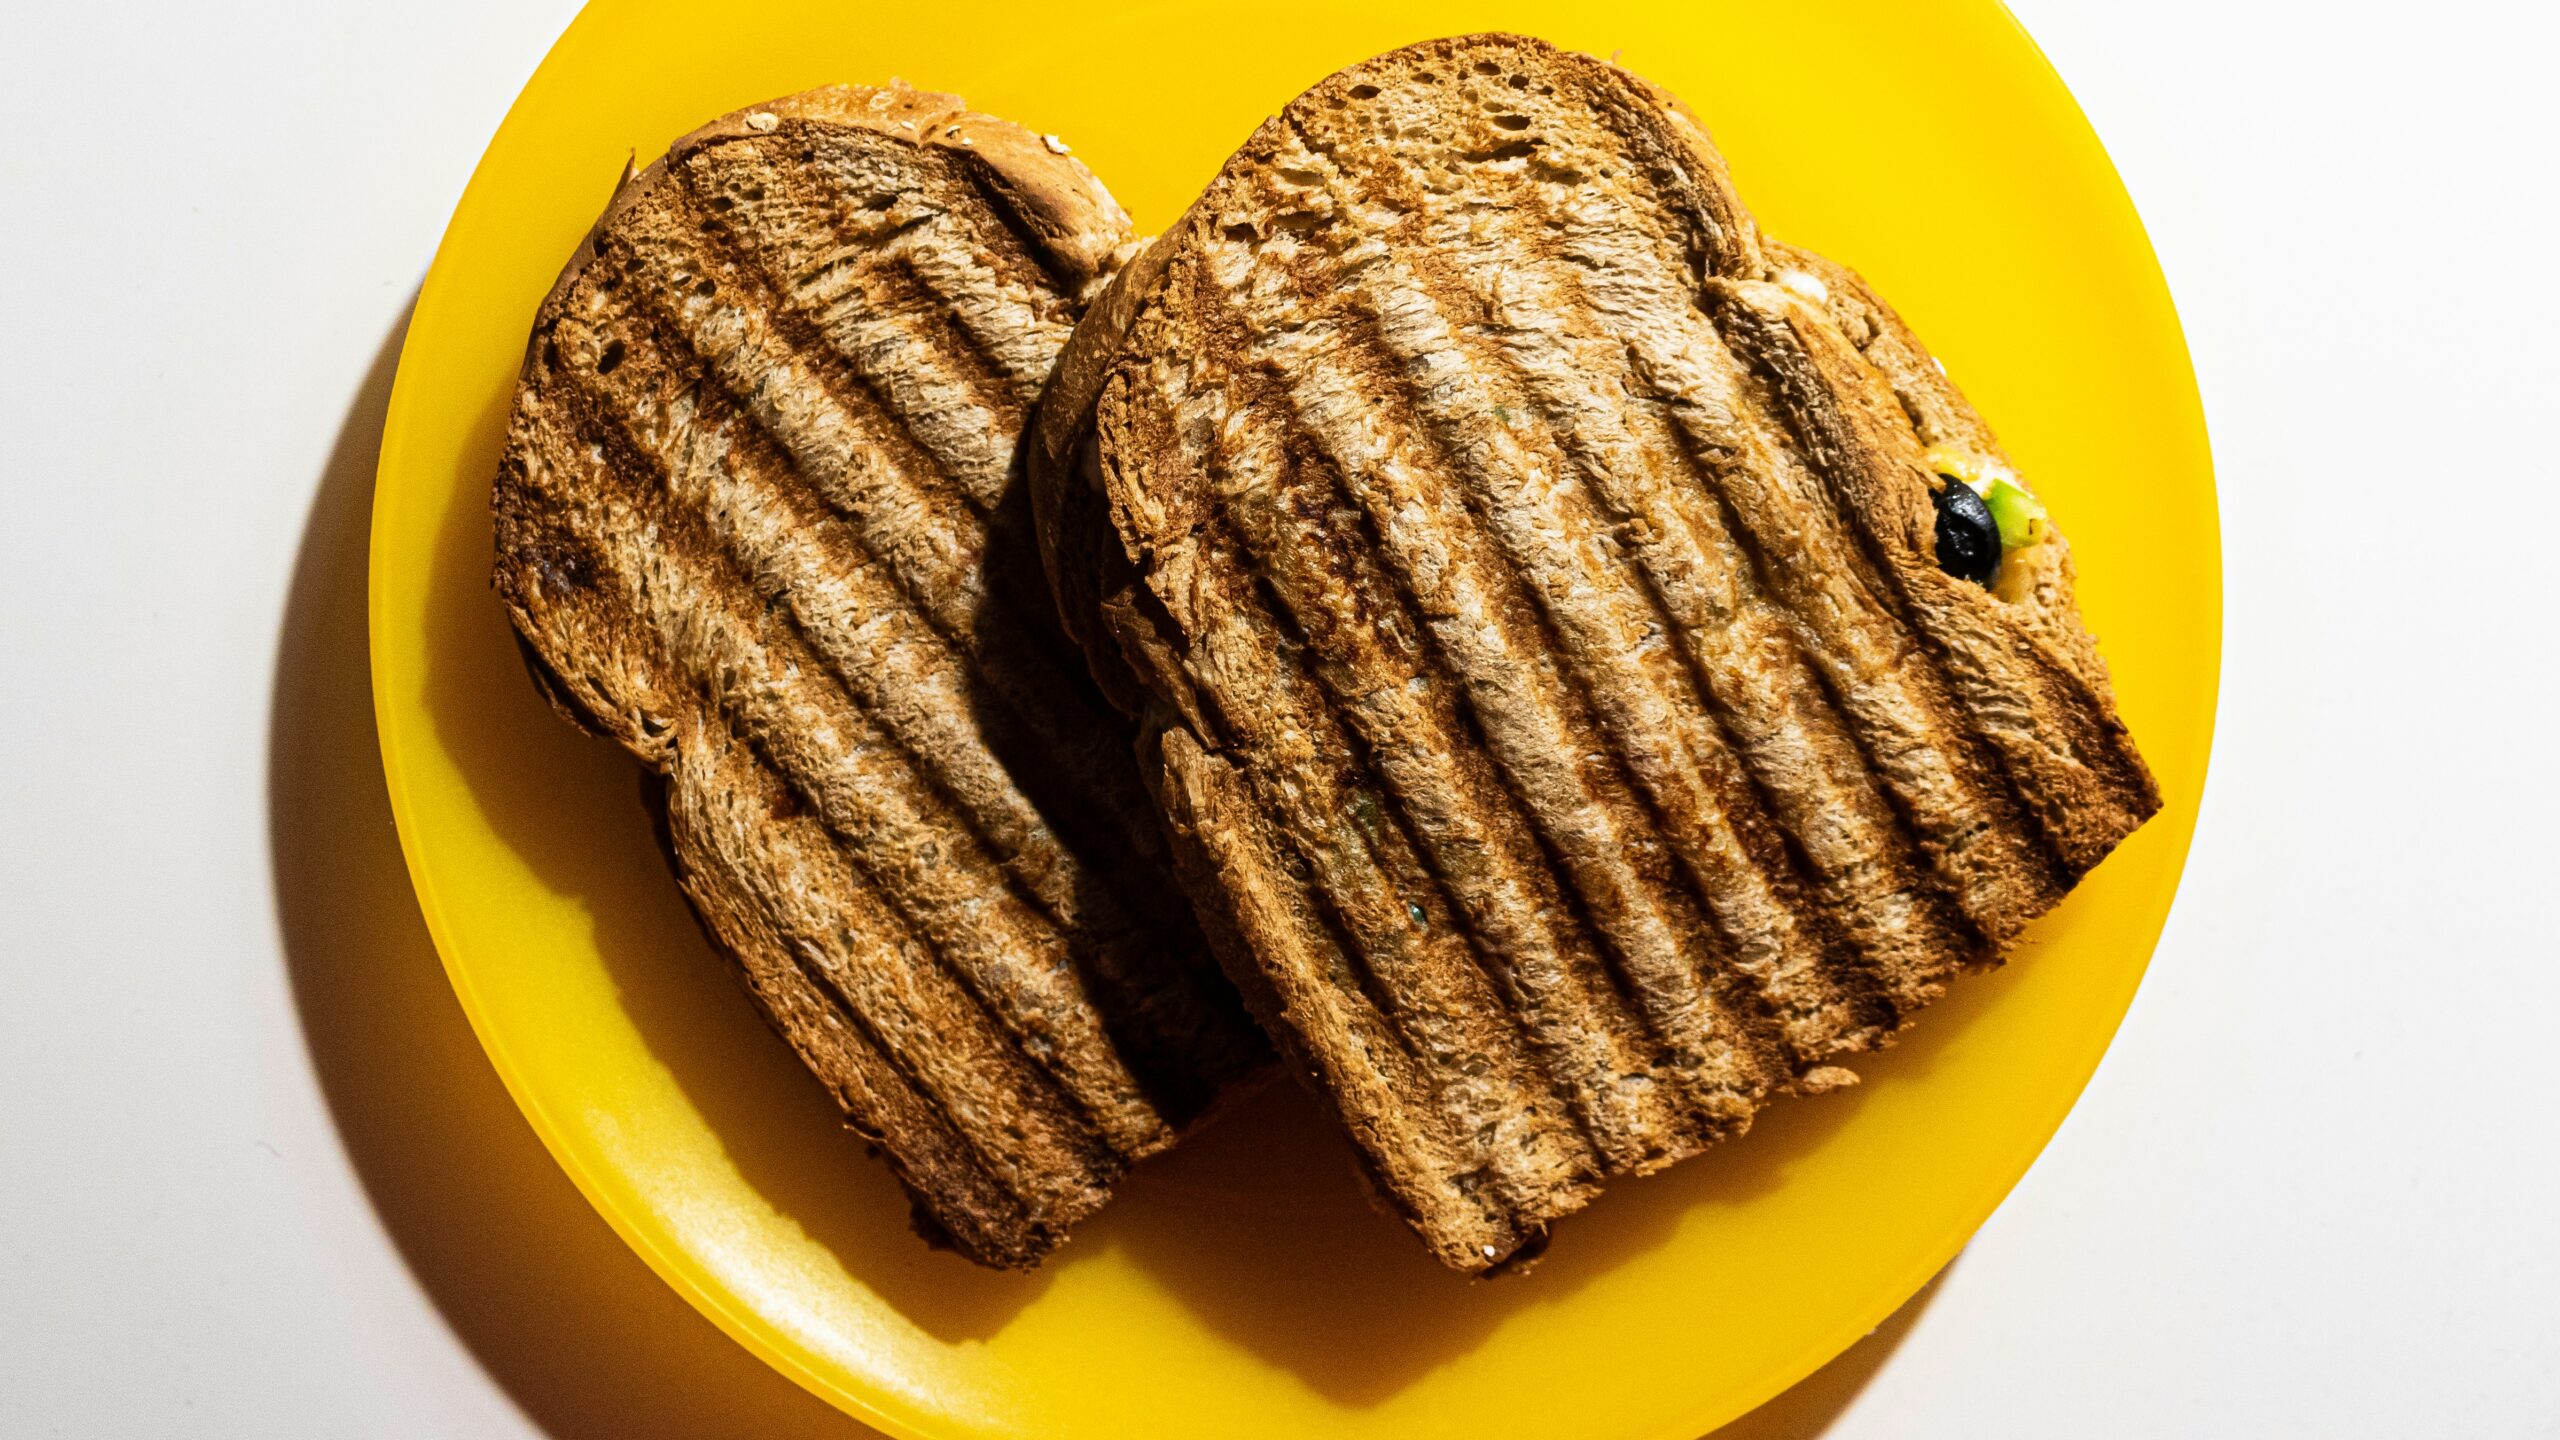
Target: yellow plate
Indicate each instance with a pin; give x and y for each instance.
(1242, 1288)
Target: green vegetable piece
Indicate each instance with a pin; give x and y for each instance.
(2014, 511)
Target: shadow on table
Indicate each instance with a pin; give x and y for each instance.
(566, 1319)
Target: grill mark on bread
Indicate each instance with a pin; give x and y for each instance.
(1617, 646)
(937, 552)
(882, 655)
(1490, 634)
(1043, 265)
(2065, 760)
(1995, 868)
(918, 851)
(1301, 987)
(1719, 237)
(1017, 257)
(1828, 994)
(1939, 413)
(988, 276)
(869, 313)
(921, 853)
(893, 332)
(1815, 573)
(1751, 318)
(1364, 870)
(1898, 708)
(1802, 761)
(1016, 336)
(1364, 647)
(1403, 945)
(849, 273)
(1007, 252)
(704, 225)
(905, 678)
(914, 520)
(911, 509)
(951, 274)
(840, 1044)
(1001, 1105)
(891, 664)
(929, 1154)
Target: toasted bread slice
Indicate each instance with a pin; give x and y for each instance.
(760, 520)
(1523, 571)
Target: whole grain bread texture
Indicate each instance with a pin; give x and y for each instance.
(1522, 572)
(760, 519)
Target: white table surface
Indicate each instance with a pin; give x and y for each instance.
(2311, 1191)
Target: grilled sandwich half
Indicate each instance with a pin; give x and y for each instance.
(1529, 580)
(760, 520)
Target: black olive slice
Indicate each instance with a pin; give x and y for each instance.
(1968, 538)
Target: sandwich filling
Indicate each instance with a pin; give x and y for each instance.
(1985, 515)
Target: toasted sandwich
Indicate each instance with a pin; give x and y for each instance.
(760, 519)
(1583, 704)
